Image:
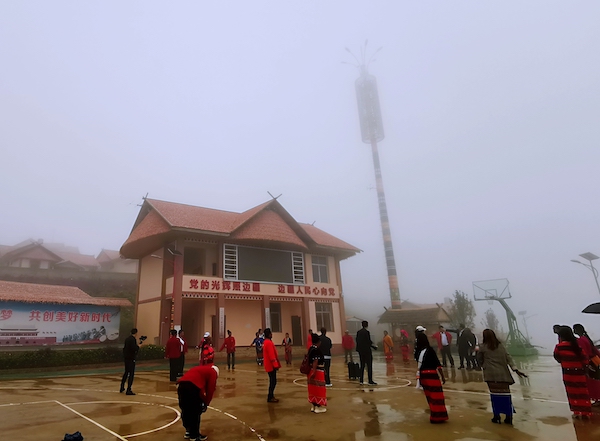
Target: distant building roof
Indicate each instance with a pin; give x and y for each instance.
(415, 316)
(266, 223)
(36, 293)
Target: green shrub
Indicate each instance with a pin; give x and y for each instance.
(49, 357)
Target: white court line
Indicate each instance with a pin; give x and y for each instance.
(115, 434)
(250, 428)
(27, 402)
(177, 413)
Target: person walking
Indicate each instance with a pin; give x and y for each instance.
(184, 349)
(258, 344)
(444, 341)
(195, 391)
(466, 344)
(229, 345)
(309, 339)
(173, 353)
(317, 392)
(364, 347)
(388, 345)
(418, 330)
(272, 364)
(130, 351)
(348, 345)
(287, 347)
(404, 345)
(207, 352)
(493, 358)
(326, 346)
(592, 354)
(430, 372)
(572, 360)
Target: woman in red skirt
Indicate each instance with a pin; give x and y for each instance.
(572, 360)
(404, 346)
(317, 392)
(430, 372)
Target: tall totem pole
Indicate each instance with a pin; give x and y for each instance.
(371, 128)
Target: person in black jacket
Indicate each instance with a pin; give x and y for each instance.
(326, 350)
(364, 345)
(130, 351)
(466, 345)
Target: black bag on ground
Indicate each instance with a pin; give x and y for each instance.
(353, 371)
(73, 436)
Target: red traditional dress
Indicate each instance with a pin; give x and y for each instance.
(573, 370)
(432, 386)
(287, 345)
(317, 392)
(589, 351)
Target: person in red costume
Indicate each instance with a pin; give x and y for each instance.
(207, 352)
(271, 363)
(229, 344)
(173, 353)
(195, 391)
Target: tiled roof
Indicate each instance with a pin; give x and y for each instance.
(35, 293)
(268, 226)
(414, 316)
(108, 255)
(268, 222)
(151, 225)
(84, 260)
(195, 218)
(327, 240)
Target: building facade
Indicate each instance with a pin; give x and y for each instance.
(202, 270)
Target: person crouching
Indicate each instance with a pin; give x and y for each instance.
(195, 390)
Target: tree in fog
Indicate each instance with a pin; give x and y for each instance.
(490, 321)
(461, 310)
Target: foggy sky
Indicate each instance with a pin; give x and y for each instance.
(490, 161)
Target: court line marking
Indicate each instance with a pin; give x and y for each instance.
(250, 428)
(115, 434)
(177, 413)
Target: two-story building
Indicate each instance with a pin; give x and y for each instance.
(202, 269)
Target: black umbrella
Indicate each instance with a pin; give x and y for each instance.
(594, 308)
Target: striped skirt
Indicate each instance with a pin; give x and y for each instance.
(577, 391)
(432, 386)
(317, 392)
(405, 350)
(501, 398)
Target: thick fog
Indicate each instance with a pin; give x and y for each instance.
(490, 161)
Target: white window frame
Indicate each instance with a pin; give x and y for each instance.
(230, 264)
(320, 265)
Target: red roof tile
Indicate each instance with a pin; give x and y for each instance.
(35, 293)
(268, 226)
(195, 218)
(151, 225)
(268, 222)
(327, 240)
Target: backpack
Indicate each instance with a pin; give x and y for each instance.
(305, 366)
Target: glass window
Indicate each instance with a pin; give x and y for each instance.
(319, 268)
(324, 316)
(275, 309)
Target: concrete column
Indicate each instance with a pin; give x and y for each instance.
(220, 313)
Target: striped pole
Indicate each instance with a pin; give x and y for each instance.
(385, 229)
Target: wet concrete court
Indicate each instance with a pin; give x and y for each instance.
(46, 408)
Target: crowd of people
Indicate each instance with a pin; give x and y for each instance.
(578, 357)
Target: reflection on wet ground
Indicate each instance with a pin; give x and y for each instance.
(392, 410)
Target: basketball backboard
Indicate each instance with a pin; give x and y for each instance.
(491, 289)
